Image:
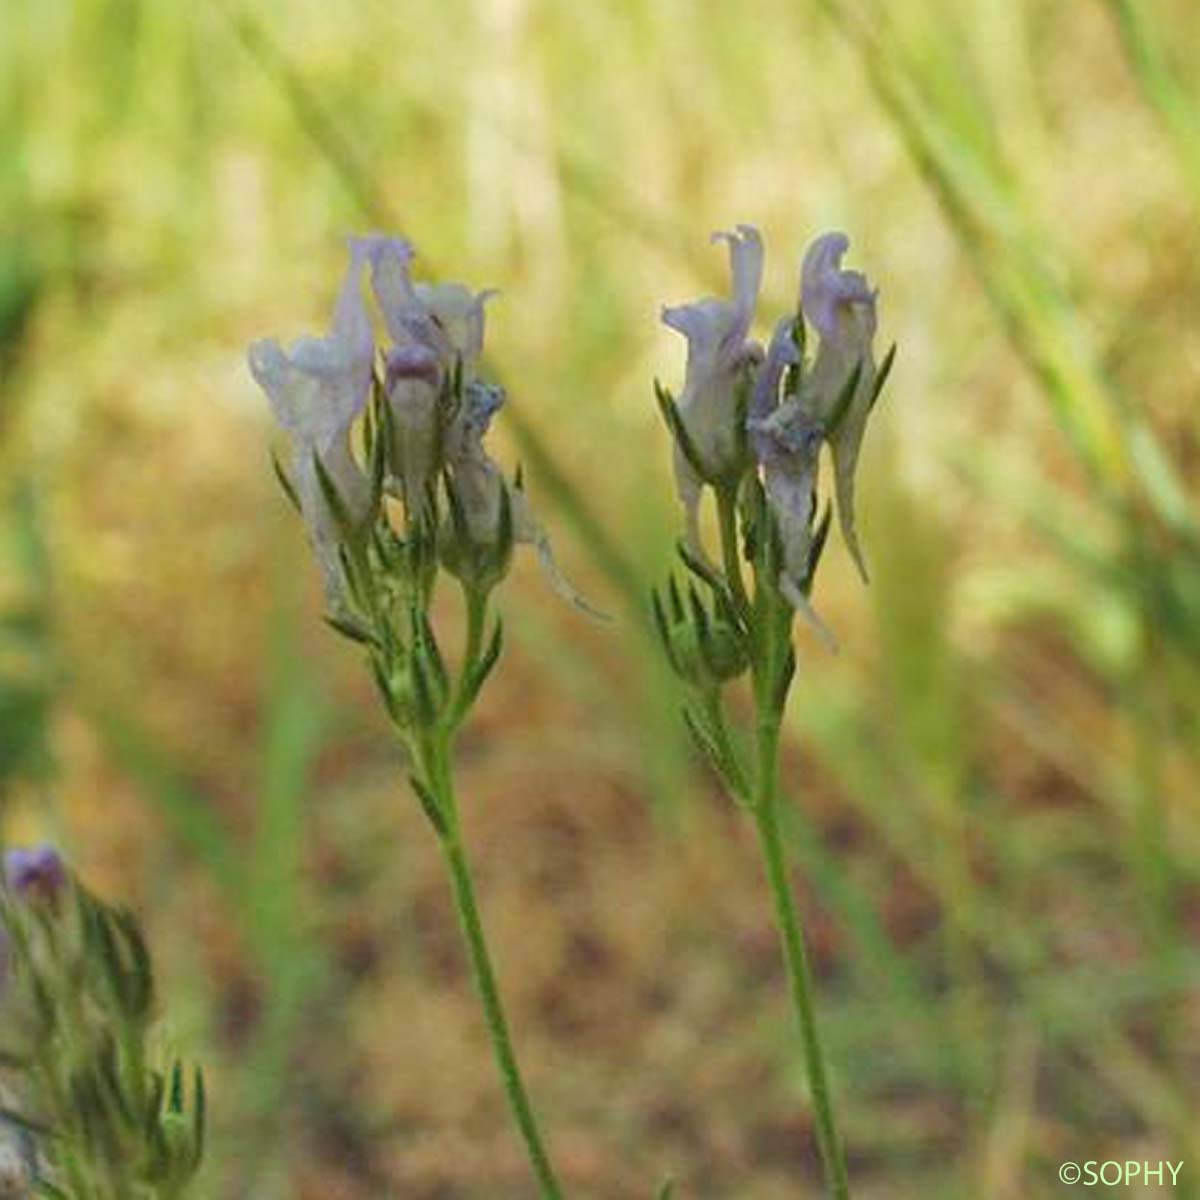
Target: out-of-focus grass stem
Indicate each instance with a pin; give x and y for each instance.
(1147, 56)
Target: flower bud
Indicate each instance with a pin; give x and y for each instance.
(36, 875)
(703, 646)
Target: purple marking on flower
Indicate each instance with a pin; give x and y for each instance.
(35, 874)
(411, 362)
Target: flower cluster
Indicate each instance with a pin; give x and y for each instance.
(85, 1114)
(744, 410)
(750, 424)
(425, 409)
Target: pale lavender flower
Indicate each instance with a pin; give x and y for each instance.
(35, 874)
(482, 489)
(437, 330)
(317, 389)
(434, 327)
(787, 442)
(781, 354)
(841, 307)
(719, 356)
(478, 481)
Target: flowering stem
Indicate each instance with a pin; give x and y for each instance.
(475, 600)
(766, 815)
(439, 777)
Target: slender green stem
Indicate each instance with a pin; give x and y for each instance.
(485, 978)
(727, 518)
(766, 814)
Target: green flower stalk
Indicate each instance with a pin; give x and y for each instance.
(86, 1115)
(750, 425)
(426, 502)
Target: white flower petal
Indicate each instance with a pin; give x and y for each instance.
(746, 265)
(390, 259)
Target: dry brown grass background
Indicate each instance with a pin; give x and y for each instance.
(995, 781)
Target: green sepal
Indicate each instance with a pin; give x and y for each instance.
(784, 682)
(683, 439)
(289, 488)
(881, 376)
(816, 548)
(355, 584)
(425, 648)
(175, 1099)
(199, 1117)
(664, 631)
(352, 628)
(449, 403)
(845, 398)
(699, 616)
(109, 1074)
(505, 535)
(706, 745)
(113, 941)
(710, 576)
(425, 705)
(478, 672)
(676, 600)
(154, 1104)
(350, 530)
(430, 806)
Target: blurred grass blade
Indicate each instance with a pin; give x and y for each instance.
(1147, 54)
(188, 813)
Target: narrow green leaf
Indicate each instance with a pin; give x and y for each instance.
(844, 400)
(683, 439)
(289, 489)
(483, 668)
(881, 376)
(350, 627)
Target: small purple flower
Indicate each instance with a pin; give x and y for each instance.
(841, 307)
(719, 356)
(787, 443)
(781, 354)
(36, 875)
(433, 327)
(317, 388)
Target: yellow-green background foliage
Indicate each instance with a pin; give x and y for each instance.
(995, 783)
